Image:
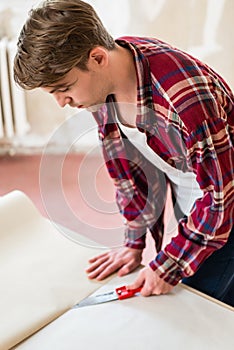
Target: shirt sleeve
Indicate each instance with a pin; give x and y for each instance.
(137, 185)
(135, 235)
(207, 227)
(131, 206)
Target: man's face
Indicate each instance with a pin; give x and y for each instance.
(80, 89)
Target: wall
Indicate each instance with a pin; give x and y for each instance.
(201, 27)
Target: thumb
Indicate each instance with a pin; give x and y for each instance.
(123, 271)
(139, 282)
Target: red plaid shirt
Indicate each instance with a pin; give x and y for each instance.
(186, 111)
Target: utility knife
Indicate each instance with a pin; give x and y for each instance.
(117, 294)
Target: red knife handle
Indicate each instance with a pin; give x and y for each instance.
(124, 293)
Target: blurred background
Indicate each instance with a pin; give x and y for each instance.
(203, 28)
(51, 154)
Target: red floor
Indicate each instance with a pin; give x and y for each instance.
(72, 190)
(21, 173)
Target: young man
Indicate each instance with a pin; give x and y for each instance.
(163, 117)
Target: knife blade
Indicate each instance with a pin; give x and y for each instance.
(117, 294)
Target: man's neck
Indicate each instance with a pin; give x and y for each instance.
(125, 85)
(124, 75)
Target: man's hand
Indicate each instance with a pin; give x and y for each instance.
(151, 282)
(124, 260)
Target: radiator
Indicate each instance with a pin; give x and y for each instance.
(13, 115)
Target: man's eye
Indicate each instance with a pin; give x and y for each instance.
(63, 90)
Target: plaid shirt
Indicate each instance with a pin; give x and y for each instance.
(186, 111)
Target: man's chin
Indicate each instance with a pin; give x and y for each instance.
(94, 108)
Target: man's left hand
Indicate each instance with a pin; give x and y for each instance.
(151, 282)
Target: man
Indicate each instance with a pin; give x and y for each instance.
(163, 117)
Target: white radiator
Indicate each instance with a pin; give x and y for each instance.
(13, 115)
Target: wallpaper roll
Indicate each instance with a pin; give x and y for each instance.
(41, 271)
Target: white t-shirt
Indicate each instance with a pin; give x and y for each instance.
(185, 186)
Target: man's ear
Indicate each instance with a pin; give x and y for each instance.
(99, 56)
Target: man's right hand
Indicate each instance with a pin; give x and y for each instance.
(123, 260)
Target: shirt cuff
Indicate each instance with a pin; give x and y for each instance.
(137, 244)
(167, 269)
(135, 236)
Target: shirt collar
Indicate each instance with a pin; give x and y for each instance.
(144, 82)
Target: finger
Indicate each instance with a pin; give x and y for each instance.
(96, 264)
(123, 271)
(104, 270)
(128, 268)
(147, 290)
(95, 273)
(108, 271)
(95, 258)
(162, 288)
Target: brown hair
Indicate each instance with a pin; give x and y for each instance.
(57, 36)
